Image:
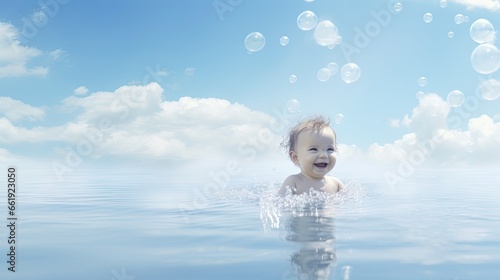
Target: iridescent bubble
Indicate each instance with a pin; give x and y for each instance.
(459, 19)
(339, 118)
(293, 106)
(490, 89)
(485, 59)
(482, 31)
(284, 40)
(443, 3)
(451, 34)
(325, 33)
(422, 81)
(292, 79)
(420, 94)
(333, 68)
(398, 7)
(455, 98)
(350, 73)
(427, 17)
(307, 20)
(254, 42)
(323, 74)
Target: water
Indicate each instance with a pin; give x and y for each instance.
(118, 225)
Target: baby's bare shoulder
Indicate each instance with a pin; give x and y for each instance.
(334, 184)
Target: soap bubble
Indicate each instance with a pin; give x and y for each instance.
(292, 79)
(254, 42)
(323, 74)
(307, 20)
(443, 3)
(284, 40)
(420, 94)
(332, 67)
(339, 118)
(459, 19)
(350, 73)
(422, 81)
(293, 106)
(455, 98)
(325, 33)
(331, 46)
(490, 89)
(485, 59)
(427, 17)
(338, 40)
(466, 18)
(398, 7)
(482, 31)
(451, 34)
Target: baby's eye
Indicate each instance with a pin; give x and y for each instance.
(313, 149)
(331, 150)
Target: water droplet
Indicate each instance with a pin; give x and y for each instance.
(339, 118)
(293, 106)
(333, 68)
(485, 59)
(323, 74)
(254, 42)
(325, 33)
(490, 89)
(350, 73)
(443, 3)
(427, 17)
(307, 20)
(451, 34)
(292, 79)
(459, 19)
(398, 7)
(422, 81)
(455, 98)
(284, 40)
(482, 31)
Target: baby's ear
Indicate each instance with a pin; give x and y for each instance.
(293, 157)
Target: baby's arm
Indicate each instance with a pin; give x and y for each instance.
(289, 182)
(340, 185)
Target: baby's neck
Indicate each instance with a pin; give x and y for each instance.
(322, 179)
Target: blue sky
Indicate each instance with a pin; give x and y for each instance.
(68, 65)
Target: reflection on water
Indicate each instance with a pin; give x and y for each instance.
(312, 228)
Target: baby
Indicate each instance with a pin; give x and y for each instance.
(312, 146)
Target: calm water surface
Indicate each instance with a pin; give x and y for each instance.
(121, 225)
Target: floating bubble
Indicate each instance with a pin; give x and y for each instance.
(293, 106)
(323, 74)
(284, 40)
(485, 59)
(455, 98)
(338, 40)
(482, 31)
(466, 18)
(254, 42)
(490, 89)
(451, 34)
(331, 46)
(398, 7)
(332, 67)
(292, 79)
(443, 3)
(325, 33)
(339, 118)
(459, 19)
(420, 94)
(350, 73)
(427, 17)
(470, 147)
(307, 20)
(422, 81)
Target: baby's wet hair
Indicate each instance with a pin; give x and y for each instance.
(315, 124)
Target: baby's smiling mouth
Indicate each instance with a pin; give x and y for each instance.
(321, 164)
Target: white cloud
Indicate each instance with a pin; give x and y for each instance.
(81, 90)
(16, 110)
(492, 5)
(14, 56)
(56, 54)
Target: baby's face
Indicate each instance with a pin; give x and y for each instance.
(314, 153)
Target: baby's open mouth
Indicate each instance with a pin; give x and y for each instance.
(321, 164)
